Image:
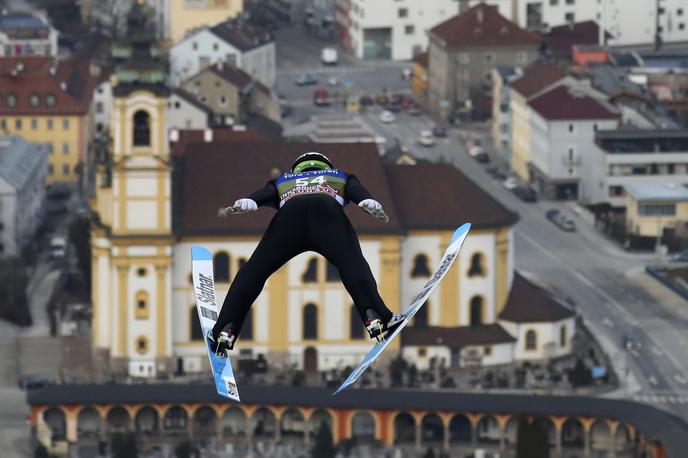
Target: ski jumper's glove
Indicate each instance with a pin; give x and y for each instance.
(240, 206)
(374, 208)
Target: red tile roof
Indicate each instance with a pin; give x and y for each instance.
(421, 59)
(457, 337)
(537, 77)
(529, 303)
(223, 135)
(562, 103)
(71, 85)
(232, 75)
(482, 25)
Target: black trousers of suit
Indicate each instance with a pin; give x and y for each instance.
(305, 223)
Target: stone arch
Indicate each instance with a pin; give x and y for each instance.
(421, 266)
(317, 418)
(292, 425)
(204, 421)
(600, 436)
(624, 439)
(531, 340)
(147, 421)
(404, 428)
(175, 421)
(234, 423)
(477, 267)
(431, 430)
(117, 420)
(511, 431)
(263, 423)
(57, 422)
(551, 430)
(460, 430)
(572, 434)
(363, 427)
(89, 423)
(487, 430)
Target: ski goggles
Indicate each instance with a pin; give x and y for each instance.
(311, 165)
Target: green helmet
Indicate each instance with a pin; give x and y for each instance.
(311, 161)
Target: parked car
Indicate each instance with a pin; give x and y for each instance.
(387, 117)
(483, 158)
(393, 107)
(680, 256)
(366, 101)
(475, 149)
(406, 74)
(381, 99)
(426, 138)
(333, 81)
(439, 132)
(525, 193)
(321, 97)
(306, 79)
(560, 220)
(510, 183)
(414, 110)
(58, 247)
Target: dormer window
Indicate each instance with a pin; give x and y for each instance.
(50, 100)
(12, 100)
(34, 99)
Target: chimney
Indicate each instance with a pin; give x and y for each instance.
(208, 135)
(174, 135)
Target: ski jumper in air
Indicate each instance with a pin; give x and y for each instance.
(310, 202)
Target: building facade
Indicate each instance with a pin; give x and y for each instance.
(23, 166)
(26, 34)
(176, 18)
(656, 210)
(501, 114)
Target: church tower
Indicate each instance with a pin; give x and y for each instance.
(132, 231)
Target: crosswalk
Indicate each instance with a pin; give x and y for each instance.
(656, 398)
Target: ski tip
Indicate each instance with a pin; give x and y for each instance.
(198, 253)
(460, 231)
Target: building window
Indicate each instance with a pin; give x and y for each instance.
(141, 128)
(464, 58)
(570, 2)
(657, 209)
(571, 127)
(215, 47)
(34, 100)
(420, 267)
(49, 124)
(488, 57)
(18, 124)
(310, 322)
(487, 350)
(65, 148)
(247, 327)
(141, 311)
(681, 26)
(570, 17)
(679, 11)
(476, 318)
(3, 124)
(562, 336)
(311, 273)
(141, 271)
(409, 30)
(51, 169)
(50, 100)
(142, 345)
(221, 267)
(521, 57)
(50, 148)
(332, 274)
(356, 330)
(531, 340)
(99, 107)
(477, 265)
(12, 100)
(403, 12)
(194, 46)
(222, 101)
(65, 169)
(422, 352)
(65, 124)
(196, 331)
(34, 124)
(553, 2)
(670, 169)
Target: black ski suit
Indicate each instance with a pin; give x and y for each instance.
(309, 222)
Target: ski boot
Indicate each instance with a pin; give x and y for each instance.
(376, 328)
(224, 342)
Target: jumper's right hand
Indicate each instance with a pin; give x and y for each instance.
(240, 206)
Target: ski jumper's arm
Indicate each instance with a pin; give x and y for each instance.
(355, 191)
(266, 196)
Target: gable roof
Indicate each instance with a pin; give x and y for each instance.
(537, 77)
(69, 82)
(234, 76)
(189, 98)
(529, 303)
(482, 25)
(438, 196)
(241, 34)
(19, 159)
(560, 39)
(220, 135)
(562, 103)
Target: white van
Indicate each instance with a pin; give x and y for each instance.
(328, 56)
(58, 247)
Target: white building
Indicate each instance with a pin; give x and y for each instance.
(102, 105)
(630, 22)
(392, 29)
(23, 167)
(234, 42)
(563, 124)
(27, 34)
(184, 111)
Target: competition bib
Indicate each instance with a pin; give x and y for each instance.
(330, 182)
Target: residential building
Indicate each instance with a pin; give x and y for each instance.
(501, 114)
(319, 18)
(184, 111)
(342, 23)
(176, 18)
(464, 50)
(390, 29)
(637, 157)
(234, 42)
(656, 210)
(26, 34)
(49, 102)
(563, 124)
(23, 167)
(232, 95)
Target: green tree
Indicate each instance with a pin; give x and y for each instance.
(41, 452)
(324, 445)
(80, 237)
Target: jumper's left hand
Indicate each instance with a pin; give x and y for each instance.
(374, 208)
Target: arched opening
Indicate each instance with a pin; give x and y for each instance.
(195, 324)
(205, 422)
(432, 431)
(477, 265)
(421, 269)
(310, 360)
(356, 328)
(476, 318)
(318, 418)
(624, 442)
(292, 426)
(88, 423)
(487, 430)
(57, 422)
(233, 424)
(221, 267)
(362, 428)
(420, 319)
(572, 434)
(310, 322)
(550, 428)
(563, 335)
(511, 431)
(142, 128)
(263, 423)
(531, 340)
(175, 421)
(147, 421)
(404, 429)
(142, 310)
(601, 437)
(117, 420)
(460, 430)
(310, 275)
